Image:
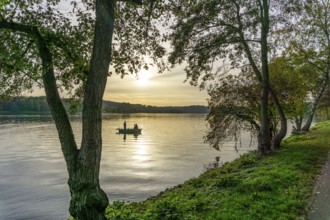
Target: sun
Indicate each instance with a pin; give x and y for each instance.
(143, 78)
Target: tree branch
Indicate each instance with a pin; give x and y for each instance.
(69, 147)
(23, 72)
(16, 27)
(139, 2)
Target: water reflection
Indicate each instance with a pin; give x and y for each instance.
(33, 180)
(141, 152)
(134, 135)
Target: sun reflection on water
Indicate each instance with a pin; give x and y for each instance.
(141, 152)
(141, 159)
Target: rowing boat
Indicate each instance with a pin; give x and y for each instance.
(129, 131)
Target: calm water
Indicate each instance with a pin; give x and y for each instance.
(33, 174)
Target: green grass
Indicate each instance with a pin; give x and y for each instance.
(276, 186)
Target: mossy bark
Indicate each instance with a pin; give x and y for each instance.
(88, 200)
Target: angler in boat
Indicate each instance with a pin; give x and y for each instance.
(125, 130)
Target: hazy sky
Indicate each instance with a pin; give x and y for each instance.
(166, 89)
(154, 89)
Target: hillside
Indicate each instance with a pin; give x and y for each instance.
(39, 106)
(116, 107)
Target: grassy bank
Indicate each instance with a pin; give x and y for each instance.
(277, 186)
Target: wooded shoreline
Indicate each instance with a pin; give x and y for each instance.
(39, 106)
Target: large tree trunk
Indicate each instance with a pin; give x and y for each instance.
(88, 200)
(265, 144)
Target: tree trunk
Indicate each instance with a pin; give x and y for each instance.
(314, 104)
(277, 139)
(298, 123)
(265, 144)
(310, 115)
(88, 200)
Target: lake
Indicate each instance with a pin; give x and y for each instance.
(170, 150)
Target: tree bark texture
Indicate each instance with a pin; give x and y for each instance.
(88, 200)
(265, 144)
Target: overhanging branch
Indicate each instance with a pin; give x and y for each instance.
(139, 2)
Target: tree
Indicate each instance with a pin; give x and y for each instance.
(236, 32)
(234, 100)
(292, 81)
(41, 45)
(311, 34)
(325, 103)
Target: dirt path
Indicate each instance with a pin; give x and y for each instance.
(320, 204)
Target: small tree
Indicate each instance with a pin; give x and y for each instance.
(311, 34)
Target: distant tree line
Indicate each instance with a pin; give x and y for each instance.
(25, 105)
(115, 107)
(38, 105)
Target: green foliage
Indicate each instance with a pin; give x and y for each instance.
(292, 82)
(70, 46)
(214, 37)
(69, 36)
(120, 210)
(276, 186)
(310, 48)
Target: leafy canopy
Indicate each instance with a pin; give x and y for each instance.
(69, 36)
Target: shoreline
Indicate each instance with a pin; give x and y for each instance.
(277, 186)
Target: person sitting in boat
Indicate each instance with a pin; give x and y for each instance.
(136, 127)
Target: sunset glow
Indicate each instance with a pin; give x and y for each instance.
(143, 78)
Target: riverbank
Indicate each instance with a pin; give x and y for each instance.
(277, 186)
